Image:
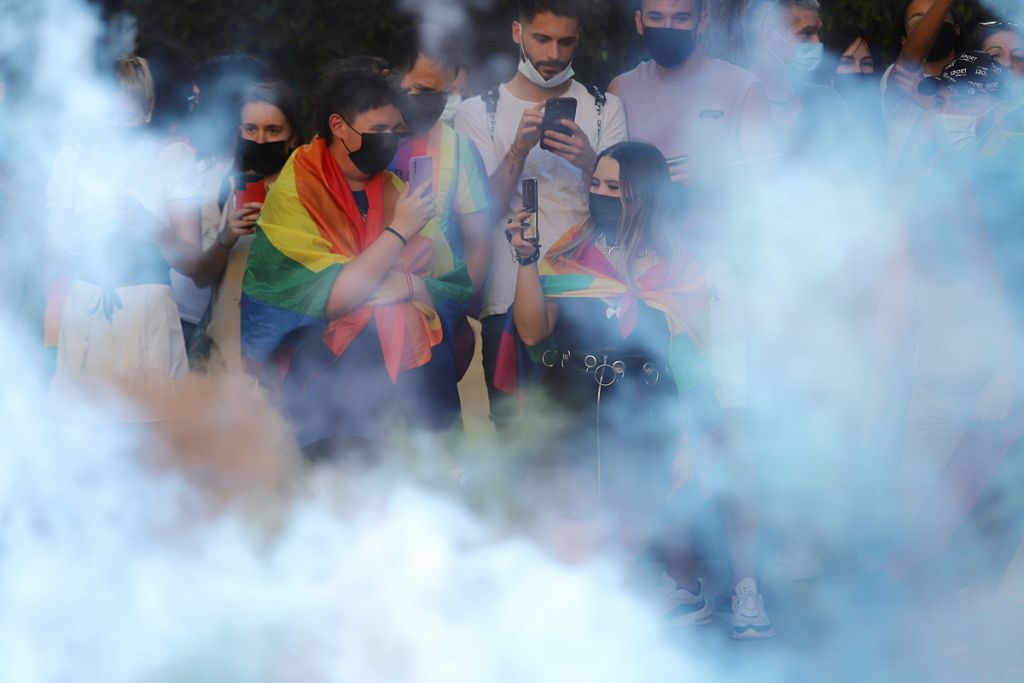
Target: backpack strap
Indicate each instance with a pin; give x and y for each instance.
(490, 99)
(600, 98)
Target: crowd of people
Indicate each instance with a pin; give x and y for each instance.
(199, 229)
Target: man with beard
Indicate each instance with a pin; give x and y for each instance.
(700, 112)
(506, 126)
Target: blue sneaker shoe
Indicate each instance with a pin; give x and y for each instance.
(681, 607)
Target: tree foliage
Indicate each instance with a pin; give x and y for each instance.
(298, 37)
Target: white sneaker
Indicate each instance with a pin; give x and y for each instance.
(749, 619)
(680, 606)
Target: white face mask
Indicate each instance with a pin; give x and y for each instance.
(958, 133)
(448, 115)
(527, 68)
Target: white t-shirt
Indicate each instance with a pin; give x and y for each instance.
(903, 115)
(87, 180)
(193, 300)
(563, 197)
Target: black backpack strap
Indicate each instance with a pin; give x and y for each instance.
(490, 99)
(600, 98)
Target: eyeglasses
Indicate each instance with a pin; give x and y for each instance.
(999, 24)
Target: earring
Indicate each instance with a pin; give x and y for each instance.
(149, 117)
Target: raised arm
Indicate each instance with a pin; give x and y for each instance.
(921, 38)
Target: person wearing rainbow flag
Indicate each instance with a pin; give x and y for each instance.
(351, 291)
(616, 313)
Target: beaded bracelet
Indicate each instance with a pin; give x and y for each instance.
(533, 258)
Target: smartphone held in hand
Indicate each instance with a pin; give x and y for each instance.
(531, 228)
(555, 110)
(249, 188)
(421, 172)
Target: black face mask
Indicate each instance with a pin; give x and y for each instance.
(858, 86)
(944, 44)
(263, 159)
(422, 110)
(606, 212)
(376, 152)
(669, 47)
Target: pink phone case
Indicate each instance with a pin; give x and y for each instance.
(421, 170)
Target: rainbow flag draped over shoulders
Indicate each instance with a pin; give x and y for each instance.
(309, 229)
(678, 290)
(459, 176)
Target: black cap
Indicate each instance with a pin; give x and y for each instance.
(972, 73)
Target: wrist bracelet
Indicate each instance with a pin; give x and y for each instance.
(533, 258)
(397, 234)
(512, 151)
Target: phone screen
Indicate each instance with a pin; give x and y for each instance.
(556, 109)
(531, 228)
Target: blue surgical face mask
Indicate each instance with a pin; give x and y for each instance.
(806, 56)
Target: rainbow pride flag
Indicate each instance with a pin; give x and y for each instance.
(677, 290)
(309, 229)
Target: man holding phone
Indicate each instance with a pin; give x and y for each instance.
(426, 63)
(507, 125)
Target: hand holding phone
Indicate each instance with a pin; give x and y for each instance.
(531, 227)
(249, 188)
(421, 172)
(555, 110)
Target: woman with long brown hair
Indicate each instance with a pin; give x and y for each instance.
(616, 315)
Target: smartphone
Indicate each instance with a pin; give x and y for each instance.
(249, 187)
(531, 228)
(556, 109)
(421, 170)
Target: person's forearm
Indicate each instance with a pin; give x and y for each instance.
(361, 276)
(529, 309)
(922, 37)
(505, 180)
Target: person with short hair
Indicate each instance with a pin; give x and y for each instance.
(350, 294)
(506, 126)
(700, 112)
(783, 40)
(959, 318)
(426, 64)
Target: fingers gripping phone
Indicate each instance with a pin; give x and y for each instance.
(556, 109)
(421, 172)
(531, 228)
(249, 187)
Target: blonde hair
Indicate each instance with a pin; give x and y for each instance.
(136, 80)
